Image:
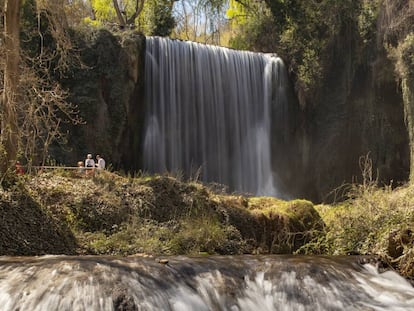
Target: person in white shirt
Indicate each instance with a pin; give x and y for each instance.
(101, 162)
(89, 162)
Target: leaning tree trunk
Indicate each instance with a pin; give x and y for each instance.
(9, 129)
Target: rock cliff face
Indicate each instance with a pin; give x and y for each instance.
(396, 25)
(108, 91)
(359, 111)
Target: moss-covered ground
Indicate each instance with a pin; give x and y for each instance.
(62, 213)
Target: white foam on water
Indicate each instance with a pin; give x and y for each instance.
(234, 283)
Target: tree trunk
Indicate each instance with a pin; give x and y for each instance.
(121, 18)
(9, 129)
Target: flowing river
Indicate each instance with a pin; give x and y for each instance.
(199, 283)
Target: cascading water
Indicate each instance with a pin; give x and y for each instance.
(265, 283)
(209, 108)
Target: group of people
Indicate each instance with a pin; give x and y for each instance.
(90, 164)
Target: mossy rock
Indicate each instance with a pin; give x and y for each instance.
(285, 226)
(171, 199)
(273, 225)
(235, 211)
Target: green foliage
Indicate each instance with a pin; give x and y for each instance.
(156, 18)
(251, 20)
(405, 62)
(237, 12)
(403, 57)
(367, 20)
(373, 221)
(130, 238)
(250, 36)
(174, 200)
(191, 236)
(285, 226)
(104, 12)
(28, 16)
(206, 235)
(374, 212)
(159, 18)
(303, 32)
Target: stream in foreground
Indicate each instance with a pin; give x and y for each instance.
(199, 283)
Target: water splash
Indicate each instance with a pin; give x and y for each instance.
(244, 283)
(209, 107)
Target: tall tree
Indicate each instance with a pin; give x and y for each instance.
(33, 104)
(9, 136)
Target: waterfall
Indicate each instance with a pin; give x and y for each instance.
(209, 110)
(240, 283)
